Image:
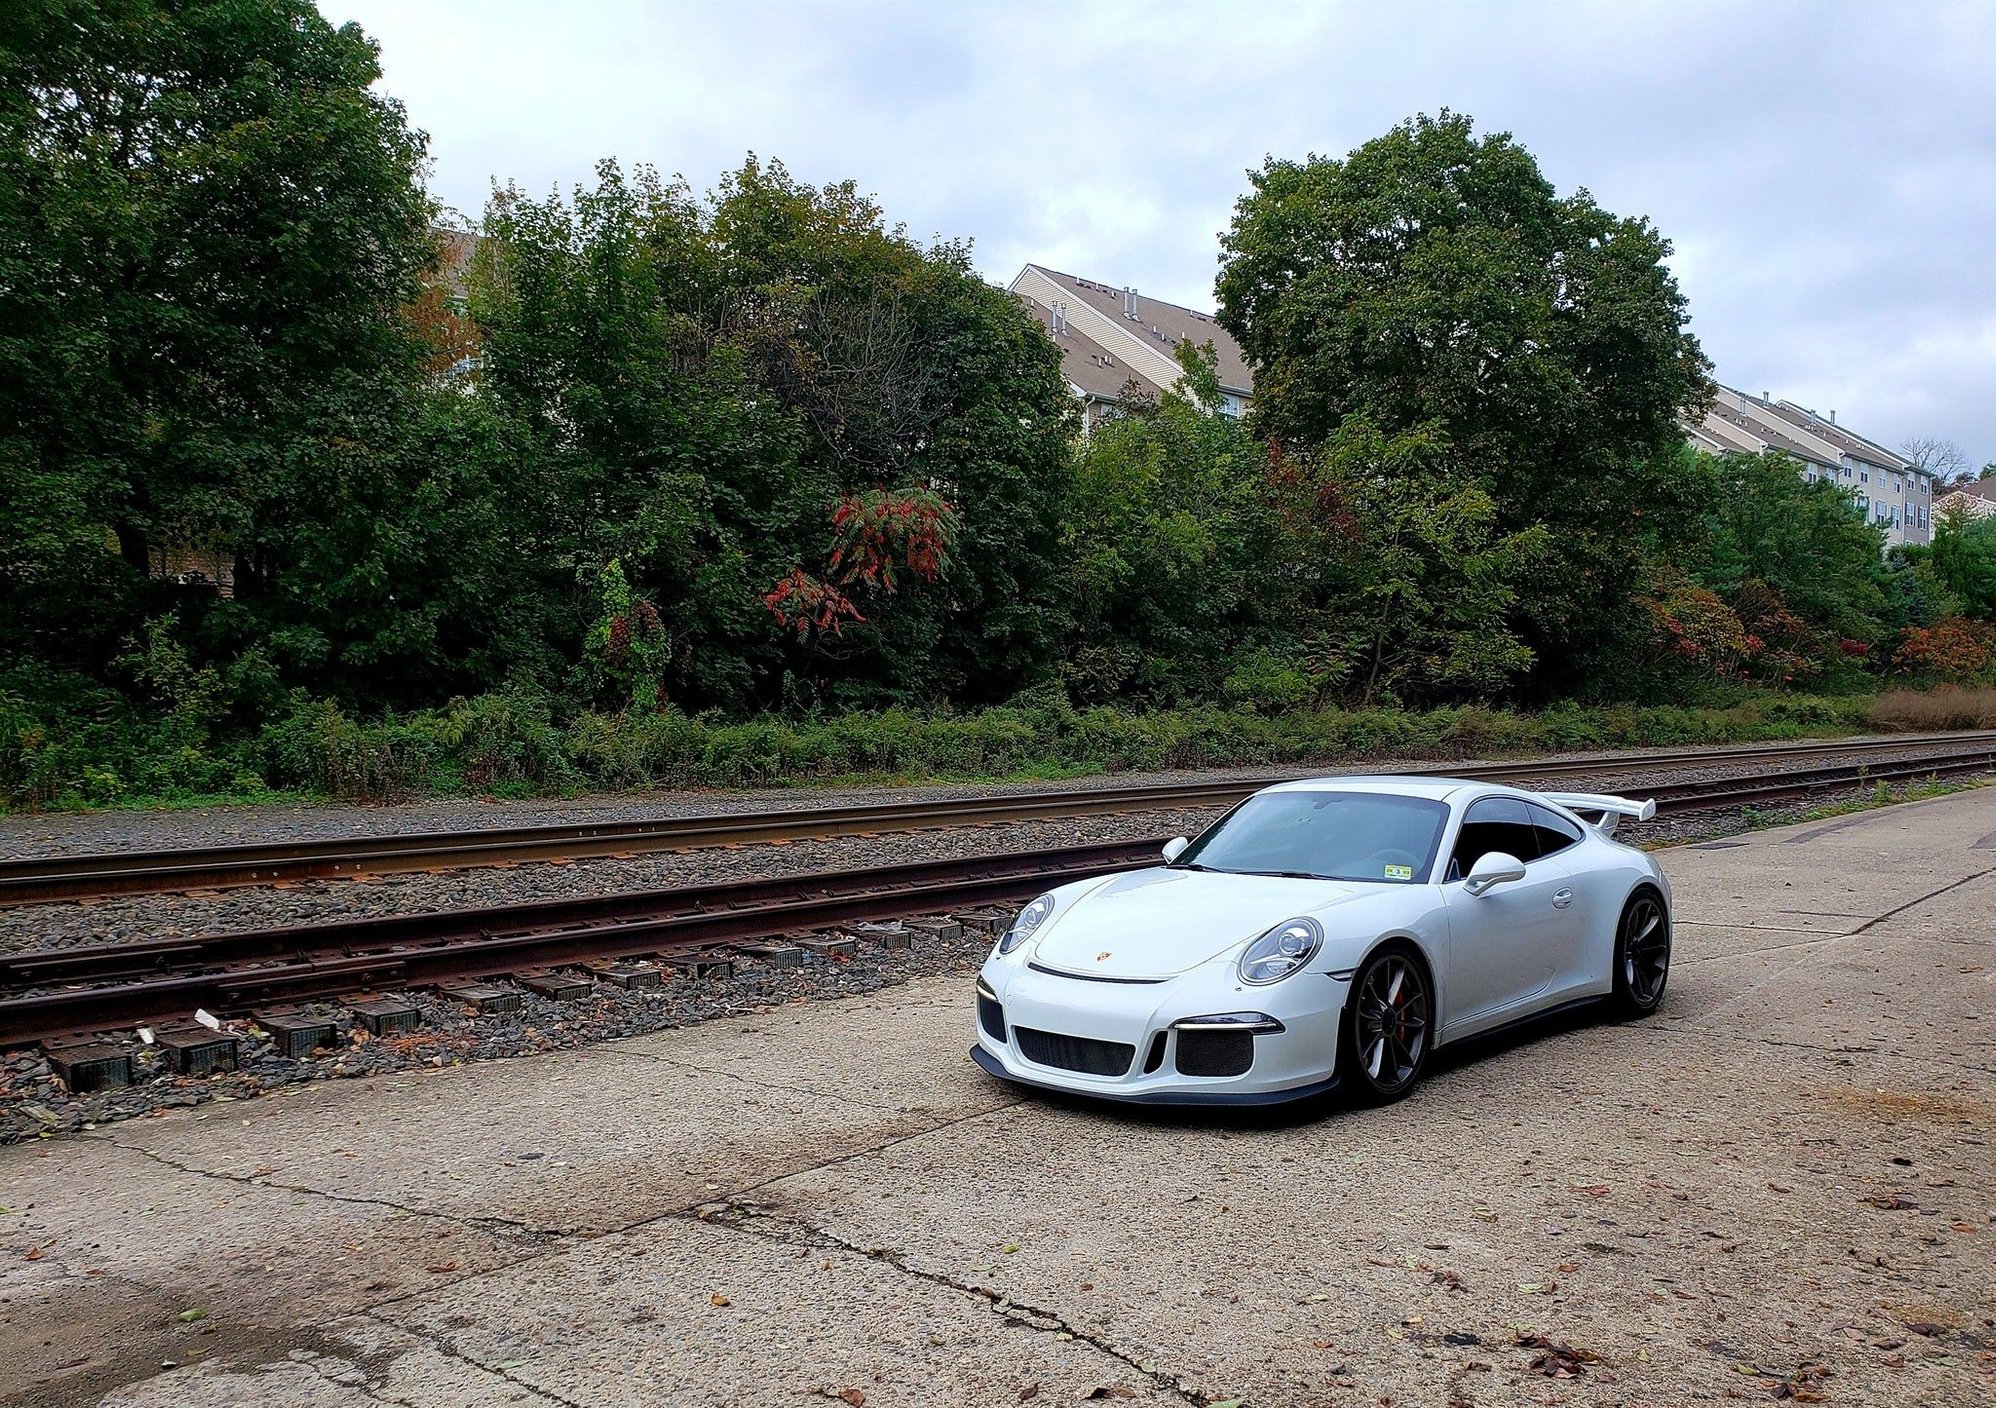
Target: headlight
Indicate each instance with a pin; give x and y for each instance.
(1030, 918)
(1281, 951)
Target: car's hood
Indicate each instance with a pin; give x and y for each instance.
(1160, 923)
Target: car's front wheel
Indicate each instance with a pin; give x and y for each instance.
(1387, 1027)
(1642, 954)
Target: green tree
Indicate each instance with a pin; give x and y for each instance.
(1962, 562)
(1432, 277)
(208, 221)
(694, 387)
(1407, 574)
(1167, 538)
(1805, 540)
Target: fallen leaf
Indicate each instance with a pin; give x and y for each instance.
(852, 1396)
(189, 1316)
(33, 1254)
(442, 1268)
(1556, 1360)
(1112, 1391)
(1030, 1391)
(1889, 1202)
(723, 1302)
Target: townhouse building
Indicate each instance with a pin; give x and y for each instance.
(1890, 490)
(1115, 341)
(1977, 499)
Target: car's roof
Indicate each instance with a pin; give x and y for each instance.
(1399, 785)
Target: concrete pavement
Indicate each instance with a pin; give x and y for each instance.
(1781, 1184)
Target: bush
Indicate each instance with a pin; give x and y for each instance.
(82, 747)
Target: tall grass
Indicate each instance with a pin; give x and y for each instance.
(1949, 706)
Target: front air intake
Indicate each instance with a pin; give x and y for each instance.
(1215, 1053)
(1075, 1053)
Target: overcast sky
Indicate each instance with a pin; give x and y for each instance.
(1826, 171)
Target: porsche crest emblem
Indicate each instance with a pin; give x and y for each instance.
(1104, 954)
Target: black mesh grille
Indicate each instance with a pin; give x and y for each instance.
(1075, 1053)
(991, 1017)
(1215, 1053)
(1154, 1058)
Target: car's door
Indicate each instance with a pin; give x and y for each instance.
(1506, 944)
(1567, 942)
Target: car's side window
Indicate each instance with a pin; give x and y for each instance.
(1493, 824)
(1554, 831)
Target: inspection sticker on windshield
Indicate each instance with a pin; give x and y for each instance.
(1399, 872)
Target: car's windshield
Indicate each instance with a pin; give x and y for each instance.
(1372, 836)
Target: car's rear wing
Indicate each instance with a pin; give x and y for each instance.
(1612, 809)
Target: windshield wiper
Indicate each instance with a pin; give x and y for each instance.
(1194, 865)
(1285, 874)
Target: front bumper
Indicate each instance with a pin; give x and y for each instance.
(1295, 1060)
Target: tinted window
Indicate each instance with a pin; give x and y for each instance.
(1554, 831)
(1325, 835)
(1493, 824)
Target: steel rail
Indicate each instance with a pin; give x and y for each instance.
(454, 948)
(42, 879)
(233, 971)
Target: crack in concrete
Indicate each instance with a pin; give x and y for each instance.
(1863, 928)
(1920, 900)
(844, 1158)
(355, 1379)
(739, 1215)
(510, 1228)
(738, 1076)
(452, 1353)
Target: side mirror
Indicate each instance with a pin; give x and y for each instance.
(1174, 848)
(1493, 868)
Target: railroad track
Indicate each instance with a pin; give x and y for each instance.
(42, 879)
(57, 993)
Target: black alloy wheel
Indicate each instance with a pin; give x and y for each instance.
(1387, 1027)
(1642, 954)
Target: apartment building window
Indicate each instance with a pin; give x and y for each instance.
(1864, 476)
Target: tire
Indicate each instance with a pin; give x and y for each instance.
(1388, 1026)
(1642, 955)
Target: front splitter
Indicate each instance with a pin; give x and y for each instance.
(993, 1066)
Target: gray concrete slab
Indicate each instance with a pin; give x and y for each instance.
(1785, 1178)
(586, 1140)
(109, 1249)
(1832, 876)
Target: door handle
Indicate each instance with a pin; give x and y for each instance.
(1562, 898)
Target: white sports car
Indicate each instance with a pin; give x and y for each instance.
(1325, 933)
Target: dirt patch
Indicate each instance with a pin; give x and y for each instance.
(108, 1333)
(1910, 1106)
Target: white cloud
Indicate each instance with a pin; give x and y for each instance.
(1826, 169)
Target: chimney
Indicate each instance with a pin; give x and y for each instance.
(1059, 319)
(1833, 417)
(1130, 302)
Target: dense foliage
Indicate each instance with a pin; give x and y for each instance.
(1434, 281)
(637, 484)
